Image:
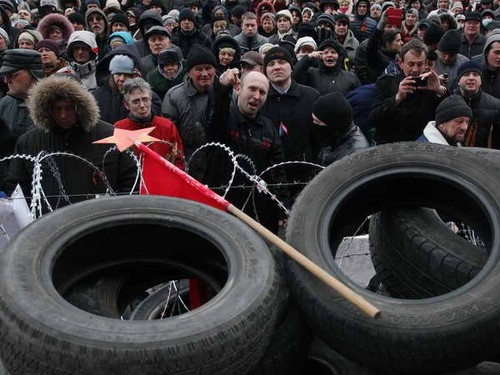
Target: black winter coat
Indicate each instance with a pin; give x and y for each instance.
(291, 114)
(311, 73)
(403, 122)
(350, 141)
(486, 116)
(78, 180)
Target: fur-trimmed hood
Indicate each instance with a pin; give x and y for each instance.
(55, 19)
(50, 89)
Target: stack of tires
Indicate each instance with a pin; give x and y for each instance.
(144, 285)
(444, 313)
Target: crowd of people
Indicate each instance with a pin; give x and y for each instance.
(274, 80)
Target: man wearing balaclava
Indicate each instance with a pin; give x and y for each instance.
(334, 134)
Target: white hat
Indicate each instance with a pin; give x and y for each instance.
(305, 41)
(113, 4)
(286, 13)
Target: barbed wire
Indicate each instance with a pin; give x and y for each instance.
(258, 183)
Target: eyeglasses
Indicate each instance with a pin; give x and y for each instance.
(138, 101)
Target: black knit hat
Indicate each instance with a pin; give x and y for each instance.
(334, 3)
(119, 17)
(469, 66)
(277, 53)
(159, 4)
(433, 34)
(452, 107)
(330, 43)
(306, 29)
(168, 56)
(326, 18)
(187, 13)
(198, 55)
(334, 110)
(450, 41)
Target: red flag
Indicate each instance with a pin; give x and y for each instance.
(160, 177)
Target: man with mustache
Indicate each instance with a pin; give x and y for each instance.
(98, 24)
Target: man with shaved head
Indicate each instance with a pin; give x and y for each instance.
(239, 124)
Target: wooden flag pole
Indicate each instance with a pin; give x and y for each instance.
(190, 188)
(305, 262)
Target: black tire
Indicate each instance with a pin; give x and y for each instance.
(163, 301)
(452, 331)
(117, 286)
(416, 255)
(287, 351)
(43, 333)
(323, 360)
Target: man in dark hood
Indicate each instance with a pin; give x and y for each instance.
(490, 65)
(362, 25)
(98, 24)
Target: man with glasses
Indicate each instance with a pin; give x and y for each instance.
(137, 96)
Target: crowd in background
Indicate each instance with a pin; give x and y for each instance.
(329, 78)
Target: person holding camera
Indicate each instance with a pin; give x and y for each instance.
(405, 102)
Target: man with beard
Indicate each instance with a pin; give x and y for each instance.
(66, 119)
(451, 124)
(98, 24)
(249, 39)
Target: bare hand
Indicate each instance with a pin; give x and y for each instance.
(230, 77)
(406, 86)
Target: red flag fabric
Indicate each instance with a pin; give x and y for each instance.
(160, 177)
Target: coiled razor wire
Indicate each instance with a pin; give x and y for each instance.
(38, 196)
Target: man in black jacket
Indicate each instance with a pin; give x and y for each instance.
(289, 107)
(404, 103)
(239, 124)
(484, 128)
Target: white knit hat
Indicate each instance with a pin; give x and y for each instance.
(284, 13)
(305, 41)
